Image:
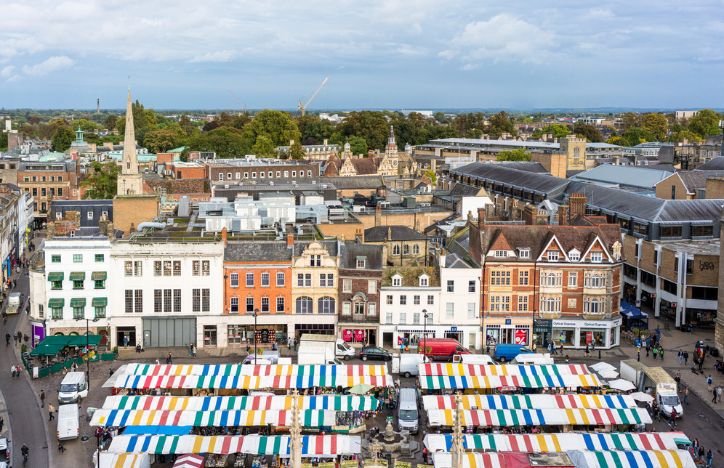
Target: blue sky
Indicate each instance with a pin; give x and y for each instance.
(377, 53)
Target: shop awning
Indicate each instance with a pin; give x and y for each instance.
(52, 345)
(544, 443)
(309, 418)
(56, 303)
(516, 381)
(99, 276)
(536, 401)
(437, 369)
(77, 302)
(77, 276)
(257, 402)
(99, 302)
(647, 458)
(157, 430)
(56, 276)
(312, 445)
(123, 460)
(541, 417)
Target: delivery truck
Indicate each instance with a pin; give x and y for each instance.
(322, 349)
(655, 381)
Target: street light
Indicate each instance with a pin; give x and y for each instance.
(424, 334)
(256, 312)
(87, 345)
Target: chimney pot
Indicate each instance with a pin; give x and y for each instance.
(290, 239)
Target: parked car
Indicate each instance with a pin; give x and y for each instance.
(505, 352)
(374, 353)
(441, 349)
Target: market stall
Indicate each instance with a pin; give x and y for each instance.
(641, 458)
(537, 401)
(234, 418)
(485, 382)
(540, 417)
(542, 443)
(254, 402)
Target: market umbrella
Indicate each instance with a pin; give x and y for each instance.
(602, 366)
(641, 396)
(360, 389)
(608, 374)
(622, 385)
(189, 461)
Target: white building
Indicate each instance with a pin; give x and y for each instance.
(247, 214)
(404, 301)
(459, 316)
(165, 292)
(74, 287)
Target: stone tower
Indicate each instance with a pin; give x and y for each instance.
(130, 181)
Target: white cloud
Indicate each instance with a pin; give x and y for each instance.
(501, 38)
(600, 13)
(7, 73)
(216, 56)
(48, 65)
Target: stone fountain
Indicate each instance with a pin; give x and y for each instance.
(392, 444)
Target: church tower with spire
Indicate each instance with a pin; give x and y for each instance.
(391, 158)
(130, 181)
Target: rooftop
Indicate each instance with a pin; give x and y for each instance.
(392, 233)
(623, 176)
(694, 247)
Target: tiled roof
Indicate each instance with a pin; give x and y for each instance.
(716, 164)
(366, 166)
(330, 246)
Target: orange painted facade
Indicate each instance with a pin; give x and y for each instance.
(266, 286)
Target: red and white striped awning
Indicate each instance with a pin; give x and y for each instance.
(189, 461)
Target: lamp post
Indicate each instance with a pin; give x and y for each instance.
(256, 312)
(87, 346)
(424, 334)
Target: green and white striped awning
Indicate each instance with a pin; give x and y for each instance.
(56, 303)
(56, 276)
(99, 276)
(77, 302)
(99, 302)
(77, 276)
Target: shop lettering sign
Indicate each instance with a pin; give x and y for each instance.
(564, 323)
(704, 266)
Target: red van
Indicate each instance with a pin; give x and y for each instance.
(441, 349)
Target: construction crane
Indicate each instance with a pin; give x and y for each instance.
(303, 106)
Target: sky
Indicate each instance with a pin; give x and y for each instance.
(403, 54)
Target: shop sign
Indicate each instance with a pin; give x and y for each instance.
(586, 323)
(521, 336)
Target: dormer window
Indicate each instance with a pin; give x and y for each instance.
(596, 257)
(552, 255)
(361, 263)
(397, 281)
(574, 255)
(424, 281)
(500, 254)
(524, 253)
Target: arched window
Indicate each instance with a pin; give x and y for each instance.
(325, 305)
(406, 249)
(304, 305)
(396, 249)
(415, 249)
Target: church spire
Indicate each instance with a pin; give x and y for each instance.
(391, 138)
(129, 165)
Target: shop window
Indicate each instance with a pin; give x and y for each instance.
(706, 294)
(234, 334)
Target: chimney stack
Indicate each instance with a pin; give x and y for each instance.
(577, 203)
(563, 215)
(225, 236)
(442, 258)
(481, 218)
(378, 215)
(290, 239)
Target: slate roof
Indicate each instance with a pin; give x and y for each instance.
(528, 166)
(464, 190)
(397, 233)
(353, 249)
(631, 176)
(248, 251)
(693, 180)
(358, 182)
(715, 164)
(452, 260)
(501, 174)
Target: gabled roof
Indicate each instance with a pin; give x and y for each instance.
(504, 175)
(454, 261)
(247, 251)
(365, 166)
(694, 180)
(394, 233)
(716, 164)
(351, 250)
(330, 246)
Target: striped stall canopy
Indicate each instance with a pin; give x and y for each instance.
(543, 443)
(312, 445)
(124, 460)
(502, 369)
(257, 402)
(475, 460)
(540, 417)
(633, 459)
(441, 382)
(283, 418)
(248, 382)
(529, 401)
(260, 370)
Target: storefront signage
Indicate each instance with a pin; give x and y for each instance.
(521, 337)
(453, 329)
(586, 323)
(509, 321)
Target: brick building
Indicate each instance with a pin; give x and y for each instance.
(360, 279)
(544, 283)
(251, 170)
(47, 181)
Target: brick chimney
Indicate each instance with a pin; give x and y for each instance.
(290, 239)
(481, 218)
(225, 236)
(563, 215)
(577, 203)
(378, 215)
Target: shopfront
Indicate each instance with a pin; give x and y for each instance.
(542, 331)
(509, 331)
(578, 334)
(316, 328)
(353, 334)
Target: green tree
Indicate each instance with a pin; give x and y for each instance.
(87, 125)
(296, 151)
(371, 126)
(264, 146)
(313, 129)
(110, 122)
(3, 141)
(277, 126)
(431, 176)
(557, 130)
(682, 134)
(655, 125)
(358, 145)
(518, 154)
(587, 131)
(144, 120)
(62, 138)
(705, 123)
(633, 136)
(469, 125)
(101, 182)
(227, 142)
(164, 139)
(630, 120)
(500, 123)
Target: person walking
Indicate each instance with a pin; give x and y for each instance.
(718, 394)
(193, 350)
(709, 459)
(42, 398)
(713, 396)
(661, 352)
(654, 351)
(709, 381)
(686, 396)
(638, 354)
(686, 357)
(2, 423)
(169, 359)
(51, 411)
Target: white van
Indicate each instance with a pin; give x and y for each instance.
(407, 413)
(536, 359)
(410, 362)
(481, 359)
(73, 388)
(68, 422)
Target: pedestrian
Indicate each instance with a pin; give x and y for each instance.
(655, 351)
(169, 359)
(661, 352)
(2, 423)
(193, 350)
(638, 354)
(678, 357)
(12, 371)
(686, 357)
(648, 348)
(686, 395)
(51, 410)
(709, 381)
(42, 398)
(713, 396)
(61, 448)
(709, 459)
(587, 352)
(110, 372)
(718, 394)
